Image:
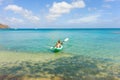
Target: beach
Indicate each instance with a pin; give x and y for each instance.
(88, 55)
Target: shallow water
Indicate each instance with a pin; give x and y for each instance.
(92, 54)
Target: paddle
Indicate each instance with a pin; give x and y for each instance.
(65, 40)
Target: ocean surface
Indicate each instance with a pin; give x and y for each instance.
(98, 44)
(92, 42)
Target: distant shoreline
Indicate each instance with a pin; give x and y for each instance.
(59, 28)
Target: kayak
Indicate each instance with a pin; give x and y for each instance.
(55, 49)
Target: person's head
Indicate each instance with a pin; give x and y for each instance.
(58, 41)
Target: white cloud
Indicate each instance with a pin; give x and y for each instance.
(5, 1)
(14, 20)
(78, 4)
(63, 7)
(24, 12)
(87, 19)
(106, 6)
(92, 9)
(109, 0)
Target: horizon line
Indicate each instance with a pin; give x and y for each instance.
(51, 28)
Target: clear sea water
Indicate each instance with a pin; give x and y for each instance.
(90, 42)
(89, 54)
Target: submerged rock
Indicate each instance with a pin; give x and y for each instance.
(66, 68)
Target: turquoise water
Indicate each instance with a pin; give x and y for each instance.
(90, 54)
(91, 42)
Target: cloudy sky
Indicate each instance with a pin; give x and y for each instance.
(60, 13)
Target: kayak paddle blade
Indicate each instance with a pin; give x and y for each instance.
(66, 39)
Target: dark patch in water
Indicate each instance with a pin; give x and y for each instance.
(66, 68)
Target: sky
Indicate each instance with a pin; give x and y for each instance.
(60, 13)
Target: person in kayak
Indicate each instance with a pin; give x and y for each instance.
(58, 44)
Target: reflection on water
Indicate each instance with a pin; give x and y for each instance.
(64, 68)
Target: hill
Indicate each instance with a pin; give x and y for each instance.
(3, 26)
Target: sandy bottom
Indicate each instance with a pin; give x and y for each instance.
(6, 57)
(59, 66)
